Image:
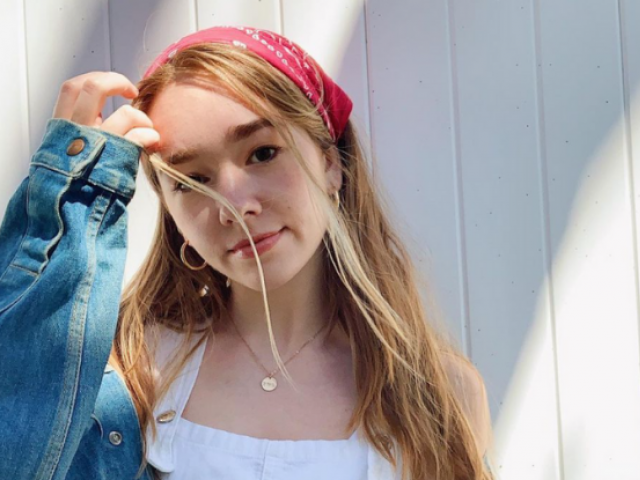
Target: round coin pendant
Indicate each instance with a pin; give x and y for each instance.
(269, 384)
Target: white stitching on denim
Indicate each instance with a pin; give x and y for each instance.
(72, 174)
(99, 424)
(56, 238)
(26, 270)
(26, 208)
(51, 459)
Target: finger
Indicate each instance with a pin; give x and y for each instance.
(94, 93)
(70, 90)
(145, 137)
(124, 119)
(68, 95)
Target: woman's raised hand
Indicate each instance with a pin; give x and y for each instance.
(82, 98)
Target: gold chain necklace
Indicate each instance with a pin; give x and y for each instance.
(269, 383)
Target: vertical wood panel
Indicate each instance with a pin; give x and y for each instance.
(64, 38)
(338, 43)
(511, 335)
(412, 130)
(630, 36)
(139, 32)
(250, 13)
(591, 235)
(14, 114)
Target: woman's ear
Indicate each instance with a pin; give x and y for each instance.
(333, 170)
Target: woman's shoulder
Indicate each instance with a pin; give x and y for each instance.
(160, 339)
(163, 341)
(469, 388)
(463, 375)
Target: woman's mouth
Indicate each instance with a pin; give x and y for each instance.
(263, 245)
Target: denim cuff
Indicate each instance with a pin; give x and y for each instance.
(73, 150)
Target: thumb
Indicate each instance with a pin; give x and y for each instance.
(143, 136)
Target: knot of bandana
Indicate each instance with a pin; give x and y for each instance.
(334, 107)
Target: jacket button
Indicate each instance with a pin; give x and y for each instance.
(75, 147)
(115, 438)
(166, 417)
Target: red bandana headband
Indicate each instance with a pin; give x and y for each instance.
(287, 57)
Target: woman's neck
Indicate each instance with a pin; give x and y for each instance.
(298, 310)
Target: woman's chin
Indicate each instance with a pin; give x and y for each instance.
(254, 284)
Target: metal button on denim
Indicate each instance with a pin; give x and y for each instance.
(115, 438)
(166, 417)
(75, 147)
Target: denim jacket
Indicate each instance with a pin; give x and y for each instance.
(63, 413)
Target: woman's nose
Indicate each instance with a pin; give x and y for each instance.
(240, 190)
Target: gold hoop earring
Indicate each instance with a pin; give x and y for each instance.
(184, 258)
(336, 199)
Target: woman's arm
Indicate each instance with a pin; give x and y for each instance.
(471, 392)
(62, 255)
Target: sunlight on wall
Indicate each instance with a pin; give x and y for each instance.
(528, 415)
(596, 320)
(326, 39)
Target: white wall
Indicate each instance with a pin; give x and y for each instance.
(506, 134)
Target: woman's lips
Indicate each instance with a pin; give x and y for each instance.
(262, 246)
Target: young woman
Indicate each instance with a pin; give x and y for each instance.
(275, 329)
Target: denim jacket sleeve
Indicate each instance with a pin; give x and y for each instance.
(62, 255)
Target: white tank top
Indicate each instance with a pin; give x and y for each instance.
(186, 450)
(209, 453)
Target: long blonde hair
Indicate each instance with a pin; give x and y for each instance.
(406, 405)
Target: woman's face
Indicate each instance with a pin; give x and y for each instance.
(217, 141)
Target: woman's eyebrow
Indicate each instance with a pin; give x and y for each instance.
(240, 132)
(234, 135)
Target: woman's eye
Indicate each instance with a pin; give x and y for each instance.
(265, 154)
(261, 155)
(182, 188)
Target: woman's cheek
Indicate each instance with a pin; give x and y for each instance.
(183, 218)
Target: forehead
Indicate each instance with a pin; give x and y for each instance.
(191, 116)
